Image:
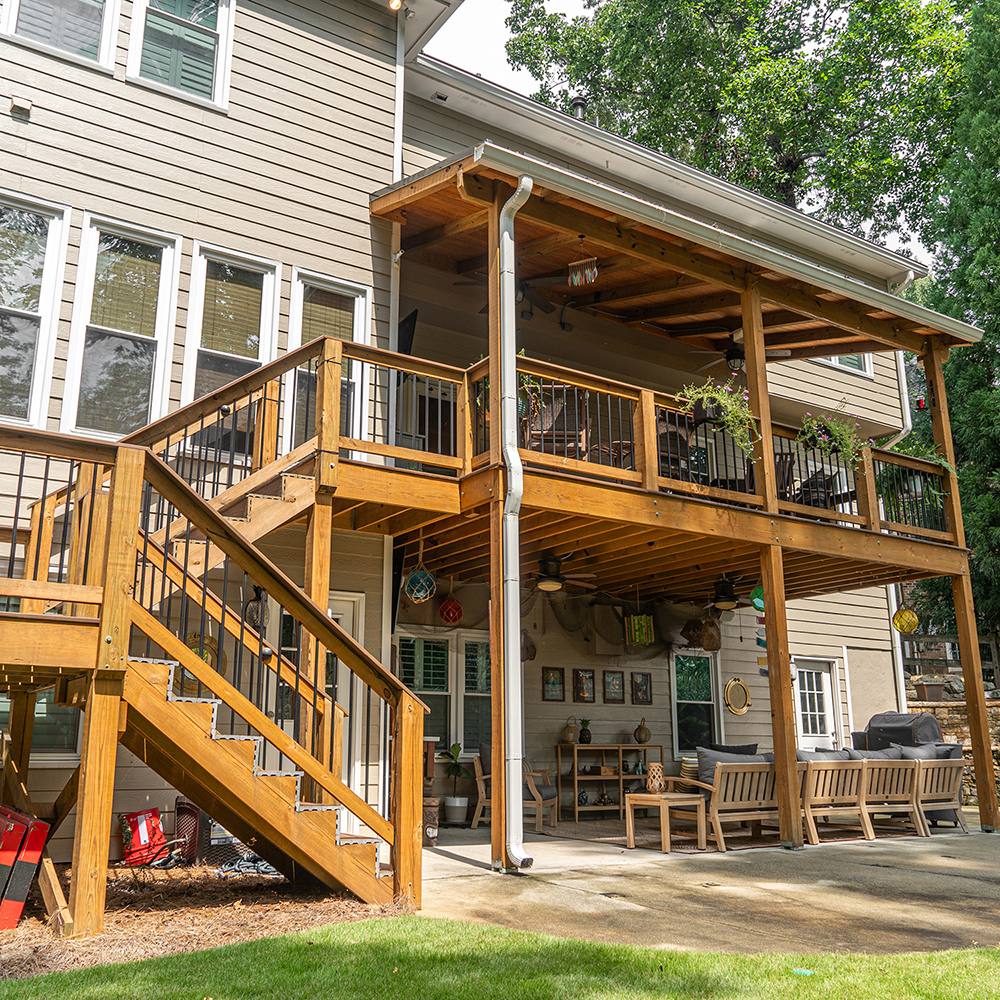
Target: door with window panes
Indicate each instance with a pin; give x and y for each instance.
(812, 687)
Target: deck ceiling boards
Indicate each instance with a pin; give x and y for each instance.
(445, 230)
(630, 559)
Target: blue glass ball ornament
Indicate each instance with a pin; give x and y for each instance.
(420, 586)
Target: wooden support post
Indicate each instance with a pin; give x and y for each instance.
(765, 477)
(646, 442)
(779, 666)
(961, 586)
(493, 336)
(868, 491)
(266, 426)
(498, 766)
(100, 722)
(21, 727)
(328, 378)
(408, 798)
(317, 586)
(464, 445)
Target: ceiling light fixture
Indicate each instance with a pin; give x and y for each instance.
(725, 595)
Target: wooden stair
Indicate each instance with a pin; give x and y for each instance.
(177, 737)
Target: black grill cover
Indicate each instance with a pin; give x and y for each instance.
(895, 727)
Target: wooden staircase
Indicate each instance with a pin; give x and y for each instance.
(155, 543)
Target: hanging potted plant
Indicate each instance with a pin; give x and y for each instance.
(728, 406)
(456, 807)
(830, 435)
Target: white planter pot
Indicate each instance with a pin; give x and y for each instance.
(456, 808)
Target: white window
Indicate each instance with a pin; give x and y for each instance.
(324, 307)
(32, 253)
(695, 682)
(232, 319)
(861, 363)
(123, 318)
(183, 47)
(450, 671)
(80, 30)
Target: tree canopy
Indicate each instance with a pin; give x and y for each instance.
(845, 109)
(964, 231)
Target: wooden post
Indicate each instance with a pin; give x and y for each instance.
(646, 444)
(21, 726)
(266, 425)
(493, 338)
(464, 445)
(498, 820)
(328, 376)
(317, 586)
(868, 492)
(779, 666)
(92, 838)
(408, 799)
(765, 477)
(965, 612)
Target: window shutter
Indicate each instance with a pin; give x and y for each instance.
(71, 25)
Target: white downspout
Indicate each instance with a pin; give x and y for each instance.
(510, 541)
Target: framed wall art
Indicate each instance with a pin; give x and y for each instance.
(553, 684)
(583, 685)
(614, 687)
(642, 689)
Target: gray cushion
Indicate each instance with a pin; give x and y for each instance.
(546, 792)
(892, 753)
(486, 758)
(707, 759)
(928, 751)
(948, 751)
(732, 748)
(819, 754)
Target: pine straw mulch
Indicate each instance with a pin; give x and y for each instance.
(151, 913)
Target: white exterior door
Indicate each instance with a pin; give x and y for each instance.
(816, 717)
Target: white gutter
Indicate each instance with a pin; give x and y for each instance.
(904, 402)
(510, 541)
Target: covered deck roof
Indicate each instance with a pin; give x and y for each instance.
(660, 270)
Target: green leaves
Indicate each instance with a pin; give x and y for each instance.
(843, 110)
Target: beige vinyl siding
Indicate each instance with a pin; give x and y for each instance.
(285, 174)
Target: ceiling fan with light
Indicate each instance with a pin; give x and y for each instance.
(551, 580)
(735, 356)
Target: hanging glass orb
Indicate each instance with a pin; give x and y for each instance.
(905, 620)
(420, 586)
(450, 611)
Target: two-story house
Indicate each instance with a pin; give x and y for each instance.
(300, 326)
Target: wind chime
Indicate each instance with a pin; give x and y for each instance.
(581, 272)
(639, 627)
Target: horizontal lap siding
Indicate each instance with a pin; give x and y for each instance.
(286, 174)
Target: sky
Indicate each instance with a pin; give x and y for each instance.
(474, 39)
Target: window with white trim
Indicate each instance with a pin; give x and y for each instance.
(84, 30)
(184, 46)
(450, 671)
(232, 319)
(31, 256)
(861, 363)
(122, 322)
(696, 682)
(322, 306)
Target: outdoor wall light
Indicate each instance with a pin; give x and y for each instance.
(395, 4)
(735, 359)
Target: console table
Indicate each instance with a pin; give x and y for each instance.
(600, 755)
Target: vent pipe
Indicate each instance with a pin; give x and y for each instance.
(578, 106)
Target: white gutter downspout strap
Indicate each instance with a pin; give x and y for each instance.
(510, 544)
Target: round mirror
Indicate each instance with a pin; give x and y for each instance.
(737, 697)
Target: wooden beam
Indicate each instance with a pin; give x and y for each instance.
(851, 316)
(779, 665)
(689, 307)
(423, 186)
(456, 227)
(407, 795)
(48, 641)
(625, 294)
(635, 244)
(530, 248)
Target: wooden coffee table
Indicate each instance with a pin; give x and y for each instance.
(663, 801)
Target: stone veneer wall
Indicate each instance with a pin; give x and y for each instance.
(953, 718)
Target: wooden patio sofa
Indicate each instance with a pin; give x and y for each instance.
(910, 788)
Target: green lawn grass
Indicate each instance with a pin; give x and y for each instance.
(414, 958)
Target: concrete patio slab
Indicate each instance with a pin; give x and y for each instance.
(895, 894)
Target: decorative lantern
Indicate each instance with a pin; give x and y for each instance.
(420, 585)
(639, 630)
(450, 611)
(757, 598)
(905, 620)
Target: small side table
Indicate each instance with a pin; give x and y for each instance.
(663, 802)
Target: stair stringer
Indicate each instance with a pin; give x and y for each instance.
(171, 738)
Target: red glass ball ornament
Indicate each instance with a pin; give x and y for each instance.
(450, 611)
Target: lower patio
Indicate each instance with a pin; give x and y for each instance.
(894, 894)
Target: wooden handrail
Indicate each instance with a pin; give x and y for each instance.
(403, 362)
(73, 449)
(907, 462)
(222, 533)
(577, 379)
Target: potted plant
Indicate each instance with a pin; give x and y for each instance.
(831, 435)
(728, 406)
(529, 393)
(456, 807)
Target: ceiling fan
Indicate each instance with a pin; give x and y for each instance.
(550, 578)
(734, 355)
(523, 291)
